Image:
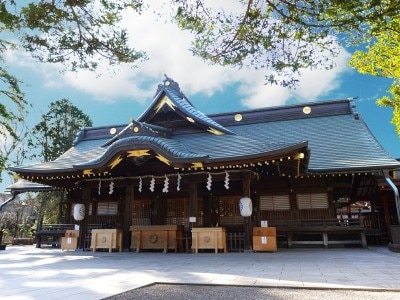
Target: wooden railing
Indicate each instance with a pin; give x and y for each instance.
(51, 233)
(333, 224)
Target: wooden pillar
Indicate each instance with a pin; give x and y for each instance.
(84, 224)
(331, 202)
(386, 210)
(193, 203)
(127, 215)
(248, 240)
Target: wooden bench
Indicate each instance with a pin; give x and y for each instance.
(53, 232)
(323, 232)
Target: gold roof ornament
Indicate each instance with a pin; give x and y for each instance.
(214, 131)
(306, 110)
(164, 101)
(115, 162)
(197, 165)
(137, 153)
(88, 172)
(163, 159)
(238, 117)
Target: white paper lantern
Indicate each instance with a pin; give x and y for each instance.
(79, 212)
(246, 207)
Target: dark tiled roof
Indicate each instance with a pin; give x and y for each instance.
(336, 138)
(228, 147)
(80, 153)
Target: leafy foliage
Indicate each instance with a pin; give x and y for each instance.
(17, 218)
(12, 110)
(381, 58)
(280, 36)
(76, 33)
(54, 134)
(50, 207)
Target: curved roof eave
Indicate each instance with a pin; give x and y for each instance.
(286, 150)
(158, 145)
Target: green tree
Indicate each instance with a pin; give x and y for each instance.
(13, 147)
(381, 58)
(76, 33)
(53, 136)
(56, 131)
(12, 112)
(280, 36)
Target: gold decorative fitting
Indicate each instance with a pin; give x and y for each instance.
(214, 131)
(306, 110)
(113, 130)
(165, 101)
(115, 162)
(136, 129)
(190, 119)
(87, 172)
(167, 83)
(299, 156)
(163, 159)
(138, 153)
(238, 117)
(197, 165)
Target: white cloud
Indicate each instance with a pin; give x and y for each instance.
(313, 84)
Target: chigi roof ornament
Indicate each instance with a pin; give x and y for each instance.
(170, 83)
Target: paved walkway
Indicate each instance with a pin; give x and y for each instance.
(30, 273)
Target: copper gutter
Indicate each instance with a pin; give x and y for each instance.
(13, 195)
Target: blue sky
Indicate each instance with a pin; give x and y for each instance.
(122, 92)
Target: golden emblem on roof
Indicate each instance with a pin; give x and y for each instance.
(136, 153)
(163, 159)
(115, 162)
(165, 101)
(214, 131)
(197, 165)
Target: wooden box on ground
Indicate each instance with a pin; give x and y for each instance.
(209, 238)
(264, 239)
(163, 237)
(70, 240)
(106, 239)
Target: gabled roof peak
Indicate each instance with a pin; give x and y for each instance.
(170, 104)
(171, 84)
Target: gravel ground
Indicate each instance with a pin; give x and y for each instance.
(194, 292)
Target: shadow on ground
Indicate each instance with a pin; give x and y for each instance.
(197, 292)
